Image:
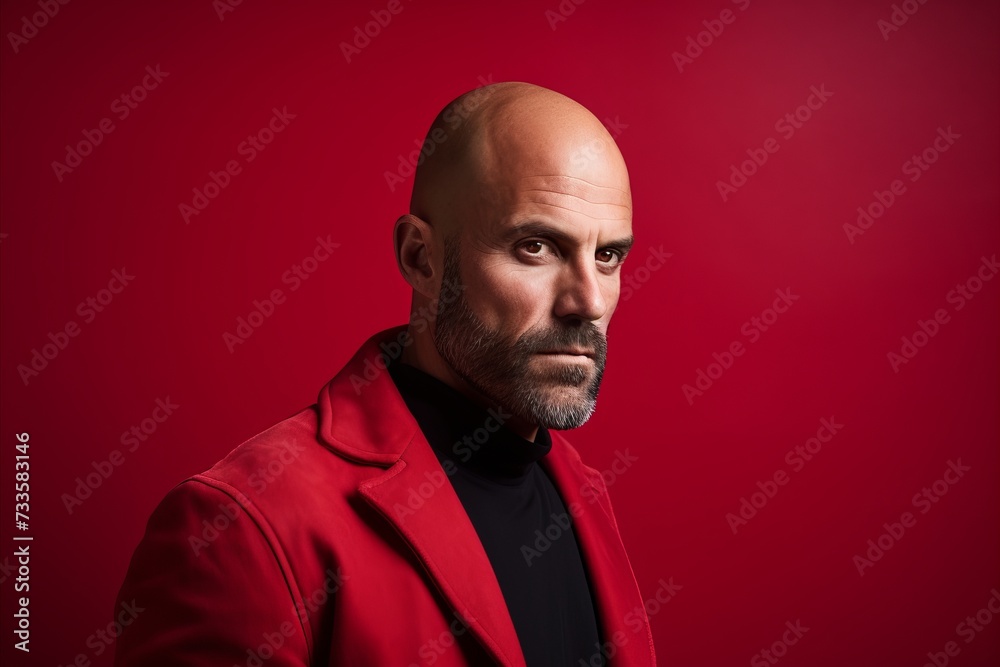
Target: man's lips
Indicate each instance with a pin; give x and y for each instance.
(571, 351)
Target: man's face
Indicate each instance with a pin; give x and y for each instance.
(540, 286)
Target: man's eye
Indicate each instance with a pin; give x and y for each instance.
(535, 248)
(611, 257)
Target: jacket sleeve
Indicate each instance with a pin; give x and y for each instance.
(206, 586)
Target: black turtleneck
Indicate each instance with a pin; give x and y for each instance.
(519, 516)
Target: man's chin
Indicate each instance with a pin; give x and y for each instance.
(564, 420)
(562, 406)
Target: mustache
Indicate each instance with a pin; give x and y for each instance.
(585, 335)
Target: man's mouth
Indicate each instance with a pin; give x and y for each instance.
(571, 352)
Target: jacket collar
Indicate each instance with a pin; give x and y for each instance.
(363, 417)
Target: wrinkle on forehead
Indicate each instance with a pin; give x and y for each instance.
(582, 207)
(575, 194)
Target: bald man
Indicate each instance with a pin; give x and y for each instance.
(422, 512)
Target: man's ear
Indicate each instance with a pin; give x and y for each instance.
(413, 240)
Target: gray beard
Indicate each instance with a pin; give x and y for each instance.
(498, 366)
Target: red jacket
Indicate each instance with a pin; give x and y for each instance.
(335, 538)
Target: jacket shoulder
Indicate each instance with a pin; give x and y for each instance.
(283, 461)
(290, 481)
(196, 532)
(293, 436)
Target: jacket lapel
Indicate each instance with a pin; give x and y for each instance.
(616, 592)
(363, 417)
(441, 535)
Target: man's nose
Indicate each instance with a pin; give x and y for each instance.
(579, 292)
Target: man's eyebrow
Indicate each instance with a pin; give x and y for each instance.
(539, 228)
(622, 245)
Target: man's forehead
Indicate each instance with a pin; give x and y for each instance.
(568, 199)
(575, 186)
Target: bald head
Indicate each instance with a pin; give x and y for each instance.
(497, 139)
(520, 219)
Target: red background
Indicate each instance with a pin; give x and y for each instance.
(680, 132)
